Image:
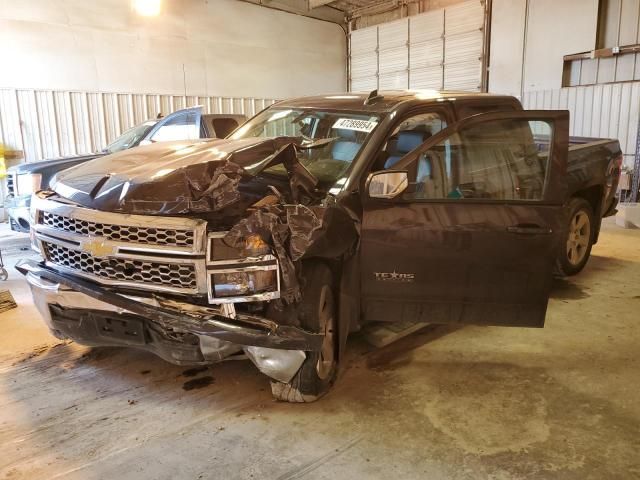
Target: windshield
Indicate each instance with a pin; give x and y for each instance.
(130, 138)
(345, 134)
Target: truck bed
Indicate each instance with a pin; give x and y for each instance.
(592, 164)
(593, 170)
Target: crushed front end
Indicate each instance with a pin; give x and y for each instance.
(160, 283)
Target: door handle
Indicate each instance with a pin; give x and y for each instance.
(529, 230)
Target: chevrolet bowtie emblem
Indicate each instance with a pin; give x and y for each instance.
(97, 248)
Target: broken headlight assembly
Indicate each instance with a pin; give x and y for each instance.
(254, 246)
(245, 274)
(244, 283)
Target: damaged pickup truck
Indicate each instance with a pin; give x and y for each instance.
(317, 216)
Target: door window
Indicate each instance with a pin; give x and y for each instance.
(181, 127)
(409, 135)
(503, 159)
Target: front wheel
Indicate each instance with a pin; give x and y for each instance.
(576, 248)
(317, 313)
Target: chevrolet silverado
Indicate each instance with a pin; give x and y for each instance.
(314, 218)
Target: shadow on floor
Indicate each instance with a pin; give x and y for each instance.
(564, 289)
(400, 352)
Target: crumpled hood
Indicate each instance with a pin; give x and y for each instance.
(169, 178)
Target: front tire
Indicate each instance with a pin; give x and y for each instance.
(317, 313)
(576, 247)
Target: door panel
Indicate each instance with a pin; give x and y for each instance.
(465, 260)
(457, 263)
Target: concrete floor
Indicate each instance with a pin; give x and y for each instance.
(445, 403)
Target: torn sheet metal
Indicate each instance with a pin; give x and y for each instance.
(215, 350)
(303, 224)
(217, 188)
(303, 183)
(289, 229)
(172, 178)
(269, 224)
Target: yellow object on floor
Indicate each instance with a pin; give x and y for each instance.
(3, 165)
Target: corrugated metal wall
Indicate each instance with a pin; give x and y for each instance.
(591, 71)
(605, 111)
(47, 124)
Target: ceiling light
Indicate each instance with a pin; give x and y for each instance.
(147, 8)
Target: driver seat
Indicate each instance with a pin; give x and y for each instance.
(408, 140)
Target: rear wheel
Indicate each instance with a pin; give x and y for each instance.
(576, 248)
(316, 312)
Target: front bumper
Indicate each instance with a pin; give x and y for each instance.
(178, 332)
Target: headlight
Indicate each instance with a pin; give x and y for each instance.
(218, 250)
(246, 273)
(254, 246)
(28, 183)
(236, 284)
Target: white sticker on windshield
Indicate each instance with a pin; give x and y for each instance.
(358, 125)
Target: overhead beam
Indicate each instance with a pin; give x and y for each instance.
(318, 3)
(301, 7)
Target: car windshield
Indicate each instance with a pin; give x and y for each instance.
(344, 134)
(130, 138)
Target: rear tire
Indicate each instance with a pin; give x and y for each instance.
(578, 239)
(317, 313)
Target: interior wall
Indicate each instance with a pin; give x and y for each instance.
(556, 29)
(194, 47)
(507, 42)
(549, 30)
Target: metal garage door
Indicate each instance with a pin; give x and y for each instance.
(439, 49)
(363, 59)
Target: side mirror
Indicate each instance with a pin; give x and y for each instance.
(387, 183)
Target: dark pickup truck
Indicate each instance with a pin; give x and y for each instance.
(316, 217)
(189, 123)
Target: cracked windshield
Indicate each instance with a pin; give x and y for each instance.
(336, 137)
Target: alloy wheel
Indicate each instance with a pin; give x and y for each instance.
(579, 236)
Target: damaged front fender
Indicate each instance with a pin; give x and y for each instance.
(296, 232)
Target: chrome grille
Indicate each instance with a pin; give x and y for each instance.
(182, 276)
(120, 233)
